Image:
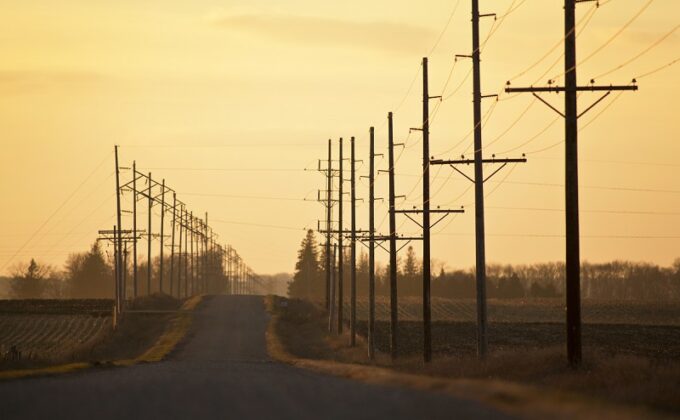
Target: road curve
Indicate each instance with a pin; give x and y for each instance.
(222, 371)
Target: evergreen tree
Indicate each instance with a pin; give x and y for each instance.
(308, 281)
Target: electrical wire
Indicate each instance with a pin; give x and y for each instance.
(658, 69)
(55, 212)
(640, 54)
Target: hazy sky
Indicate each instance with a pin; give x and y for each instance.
(230, 101)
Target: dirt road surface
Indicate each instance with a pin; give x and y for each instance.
(222, 371)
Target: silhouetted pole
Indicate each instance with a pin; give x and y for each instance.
(571, 116)
(205, 254)
(150, 235)
(341, 252)
(331, 311)
(193, 238)
(123, 287)
(573, 259)
(172, 239)
(119, 242)
(479, 187)
(186, 253)
(427, 327)
(179, 256)
(371, 245)
(329, 215)
(116, 271)
(134, 229)
(393, 241)
(353, 253)
(160, 271)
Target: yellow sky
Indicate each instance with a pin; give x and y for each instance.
(256, 85)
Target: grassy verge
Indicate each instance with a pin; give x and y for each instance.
(528, 383)
(141, 338)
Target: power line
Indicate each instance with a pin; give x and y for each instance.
(54, 213)
(247, 197)
(640, 54)
(231, 222)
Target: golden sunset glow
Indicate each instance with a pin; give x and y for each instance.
(232, 103)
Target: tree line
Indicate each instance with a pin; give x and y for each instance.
(90, 274)
(619, 280)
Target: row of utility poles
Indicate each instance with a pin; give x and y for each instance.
(196, 264)
(333, 197)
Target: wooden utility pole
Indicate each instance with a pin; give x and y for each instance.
(329, 216)
(427, 329)
(179, 254)
(116, 272)
(172, 240)
(571, 116)
(149, 237)
(186, 253)
(119, 242)
(393, 240)
(341, 250)
(160, 271)
(353, 251)
(191, 255)
(482, 339)
(371, 245)
(134, 229)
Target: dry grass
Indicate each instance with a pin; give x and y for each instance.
(533, 382)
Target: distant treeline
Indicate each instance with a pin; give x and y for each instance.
(621, 280)
(84, 275)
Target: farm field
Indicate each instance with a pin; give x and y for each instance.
(51, 329)
(529, 310)
(650, 330)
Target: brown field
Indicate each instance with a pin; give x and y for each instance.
(51, 329)
(634, 363)
(529, 310)
(622, 328)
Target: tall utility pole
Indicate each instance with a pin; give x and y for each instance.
(119, 241)
(172, 240)
(371, 245)
(478, 180)
(134, 229)
(116, 272)
(329, 216)
(427, 331)
(341, 250)
(186, 253)
(160, 271)
(191, 255)
(205, 254)
(482, 339)
(179, 254)
(426, 223)
(392, 239)
(571, 116)
(353, 250)
(149, 237)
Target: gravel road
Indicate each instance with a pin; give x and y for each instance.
(222, 371)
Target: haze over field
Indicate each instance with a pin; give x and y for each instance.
(231, 101)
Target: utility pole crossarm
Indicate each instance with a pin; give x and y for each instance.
(472, 161)
(558, 89)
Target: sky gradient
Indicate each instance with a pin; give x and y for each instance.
(230, 102)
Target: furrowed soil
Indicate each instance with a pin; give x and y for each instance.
(628, 361)
(39, 333)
